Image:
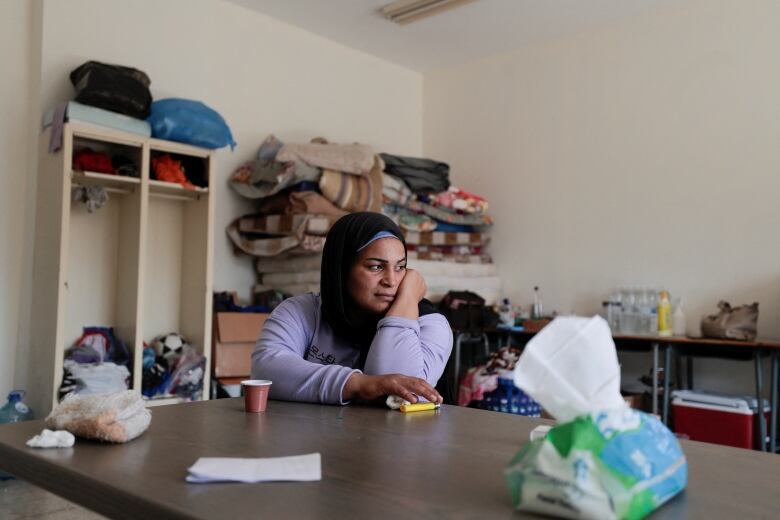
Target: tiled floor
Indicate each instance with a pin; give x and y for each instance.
(19, 500)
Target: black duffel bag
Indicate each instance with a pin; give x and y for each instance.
(466, 311)
(113, 87)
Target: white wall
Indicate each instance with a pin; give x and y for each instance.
(263, 76)
(643, 153)
(18, 54)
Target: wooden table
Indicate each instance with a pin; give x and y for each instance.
(376, 463)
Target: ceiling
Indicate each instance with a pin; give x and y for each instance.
(472, 31)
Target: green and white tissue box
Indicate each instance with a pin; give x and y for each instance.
(616, 464)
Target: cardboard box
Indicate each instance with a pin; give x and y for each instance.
(235, 335)
(535, 325)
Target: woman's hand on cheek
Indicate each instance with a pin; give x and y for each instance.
(412, 286)
(368, 388)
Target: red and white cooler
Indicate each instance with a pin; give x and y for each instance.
(718, 418)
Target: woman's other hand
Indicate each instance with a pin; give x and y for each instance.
(367, 388)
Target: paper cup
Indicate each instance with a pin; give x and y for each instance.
(255, 394)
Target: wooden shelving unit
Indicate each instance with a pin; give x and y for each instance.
(141, 264)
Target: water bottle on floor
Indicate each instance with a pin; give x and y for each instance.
(14, 411)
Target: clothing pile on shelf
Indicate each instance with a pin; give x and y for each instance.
(300, 190)
(491, 386)
(96, 364)
(172, 368)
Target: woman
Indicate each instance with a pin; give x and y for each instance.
(368, 334)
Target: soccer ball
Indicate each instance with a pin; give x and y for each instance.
(170, 346)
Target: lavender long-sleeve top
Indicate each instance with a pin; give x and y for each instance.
(299, 352)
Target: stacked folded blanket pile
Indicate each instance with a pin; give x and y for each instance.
(300, 190)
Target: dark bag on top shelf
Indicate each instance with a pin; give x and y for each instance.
(113, 87)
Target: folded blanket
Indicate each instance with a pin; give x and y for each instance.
(456, 228)
(298, 202)
(459, 200)
(352, 192)
(117, 417)
(446, 239)
(482, 258)
(450, 216)
(356, 158)
(407, 219)
(447, 250)
(286, 224)
(266, 175)
(414, 222)
(421, 175)
(302, 241)
(396, 190)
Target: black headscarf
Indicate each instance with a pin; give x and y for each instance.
(345, 237)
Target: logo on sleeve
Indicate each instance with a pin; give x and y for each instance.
(316, 354)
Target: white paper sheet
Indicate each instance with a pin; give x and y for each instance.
(300, 468)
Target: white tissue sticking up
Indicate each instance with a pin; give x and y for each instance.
(571, 368)
(52, 439)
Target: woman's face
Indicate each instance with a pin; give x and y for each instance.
(376, 275)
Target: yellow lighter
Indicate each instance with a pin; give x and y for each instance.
(419, 407)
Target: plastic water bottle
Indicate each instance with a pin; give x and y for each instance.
(506, 313)
(14, 411)
(538, 308)
(630, 312)
(613, 311)
(653, 301)
(679, 325)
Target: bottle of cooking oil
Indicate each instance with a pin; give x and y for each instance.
(664, 314)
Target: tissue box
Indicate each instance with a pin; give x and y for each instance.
(717, 418)
(615, 464)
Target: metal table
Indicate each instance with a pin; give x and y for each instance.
(694, 347)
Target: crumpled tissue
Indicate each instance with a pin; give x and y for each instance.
(52, 439)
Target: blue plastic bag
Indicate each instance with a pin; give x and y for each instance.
(190, 122)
